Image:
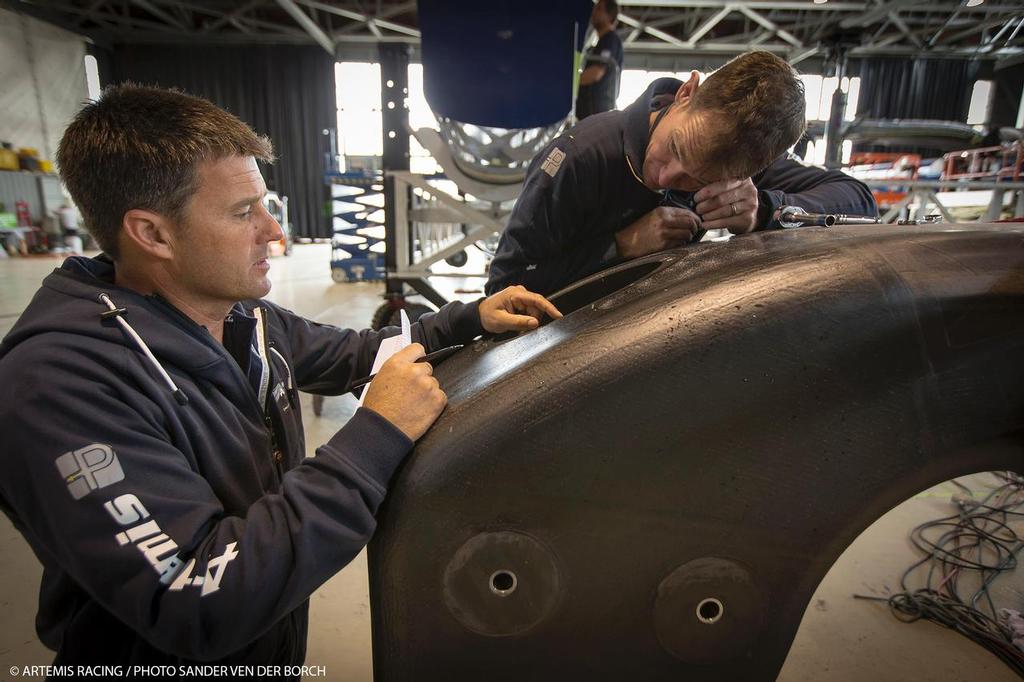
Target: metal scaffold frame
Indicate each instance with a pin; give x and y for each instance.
(438, 226)
(922, 194)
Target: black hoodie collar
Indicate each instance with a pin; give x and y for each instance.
(659, 94)
(74, 305)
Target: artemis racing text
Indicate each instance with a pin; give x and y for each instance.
(165, 671)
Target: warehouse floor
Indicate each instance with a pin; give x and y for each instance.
(840, 639)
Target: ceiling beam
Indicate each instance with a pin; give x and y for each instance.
(801, 56)
(1008, 62)
(372, 23)
(111, 20)
(726, 48)
(902, 27)
(712, 21)
(232, 16)
(1006, 27)
(159, 13)
(650, 30)
(881, 10)
(237, 23)
(1015, 31)
(310, 26)
(989, 23)
(91, 11)
(949, 20)
(672, 19)
(766, 5)
(806, 5)
(770, 25)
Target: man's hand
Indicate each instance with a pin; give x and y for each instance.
(515, 309)
(666, 227)
(405, 392)
(729, 205)
(592, 74)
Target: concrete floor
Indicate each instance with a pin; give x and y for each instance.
(840, 638)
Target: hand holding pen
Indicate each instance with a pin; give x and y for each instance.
(405, 392)
(436, 356)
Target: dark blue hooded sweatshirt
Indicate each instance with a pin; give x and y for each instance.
(171, 533)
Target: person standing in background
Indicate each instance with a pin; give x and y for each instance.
(69, 221)
(602, 65)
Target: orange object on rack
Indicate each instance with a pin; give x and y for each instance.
(1005, 162)
(904, 167)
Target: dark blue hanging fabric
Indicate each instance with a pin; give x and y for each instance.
(501, 63)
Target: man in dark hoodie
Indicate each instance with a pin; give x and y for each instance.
(682, 159)
(154, 456)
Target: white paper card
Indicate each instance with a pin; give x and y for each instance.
(389, 347)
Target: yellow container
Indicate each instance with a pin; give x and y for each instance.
(45, 165)
(8, 159)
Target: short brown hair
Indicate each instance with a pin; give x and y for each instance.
(138, 147)
(751, 110)
(611, 8)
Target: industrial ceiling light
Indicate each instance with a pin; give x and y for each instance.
(970, 3)
(820, 2)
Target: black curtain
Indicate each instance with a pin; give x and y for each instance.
(938, 89)
(285, 92)
(1006, 96)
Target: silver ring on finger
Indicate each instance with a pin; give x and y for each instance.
(733, 207)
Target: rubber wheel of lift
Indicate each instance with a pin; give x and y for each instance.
(388, 314)
(457, 259)
(339, 275)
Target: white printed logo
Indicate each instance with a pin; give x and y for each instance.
(161, 551)
(90, 468)
(214, 572)
(155, 545)
(553, 162)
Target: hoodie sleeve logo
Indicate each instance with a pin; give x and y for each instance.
(553, 162)
(90, 468)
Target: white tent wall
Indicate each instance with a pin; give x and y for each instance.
(42, 82)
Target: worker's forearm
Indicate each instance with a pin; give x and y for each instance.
(592, 74)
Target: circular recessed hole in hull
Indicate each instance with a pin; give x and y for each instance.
(503, 583)
(710, 610)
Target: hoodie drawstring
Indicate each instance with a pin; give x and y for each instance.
(117, 313)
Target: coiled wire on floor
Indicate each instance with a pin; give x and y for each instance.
(963, 552)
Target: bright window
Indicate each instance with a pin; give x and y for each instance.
(977, 113)
(816, 152)
(633, 83)
(812, 94)
(420, 116)
(360, 130)
(818, 94)
(92, 77)
(360, 125)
